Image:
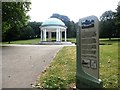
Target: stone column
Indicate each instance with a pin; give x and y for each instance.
(44, 37)
(45, 34)
(61, 36)
(41, 36)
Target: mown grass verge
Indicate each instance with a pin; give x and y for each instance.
(29, 41)
(109, 64)
(61, 72)
(36, 40)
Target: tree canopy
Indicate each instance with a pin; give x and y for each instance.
(117, 21)
(107, 25)
(118, 16)
(14, 17)
(71, 26)
(64, 18)
(107, 15)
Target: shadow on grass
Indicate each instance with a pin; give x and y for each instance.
(107, 40)
(105, 44)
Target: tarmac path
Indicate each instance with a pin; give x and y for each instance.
(21, 65)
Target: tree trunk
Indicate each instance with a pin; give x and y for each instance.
(9, 42)
(109, 39)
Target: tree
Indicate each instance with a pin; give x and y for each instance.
(36, 27)
(27, 32)
(71, 26)
(64, 18)
(117, 21)
(71, 29)
(107, 15)
(107, 25)
(14, 17)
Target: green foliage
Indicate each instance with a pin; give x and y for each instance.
(36, 27)
(107, 15)
(71, 29)
(34, 41)
(27, 32)
(118, 16)
(64, 18)
(117, 21)
(14, 17)
(110, 24)
(109, 63)
(107, 25)
(6, 26)
(30, 41)
(15, 13)
(107, 29)
(54, 82)
(61, 72)
(73, 40)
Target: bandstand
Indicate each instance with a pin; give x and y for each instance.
(50, 26)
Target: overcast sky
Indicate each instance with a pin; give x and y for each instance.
(74, 9)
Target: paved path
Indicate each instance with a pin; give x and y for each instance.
(23, 64)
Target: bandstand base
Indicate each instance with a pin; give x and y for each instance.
(54, 43)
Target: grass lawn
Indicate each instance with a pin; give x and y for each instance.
(61, 72)
(73, 40)
(109, 64)
(35, 41)
(29, 41)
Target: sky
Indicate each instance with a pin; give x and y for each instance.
(41, 10)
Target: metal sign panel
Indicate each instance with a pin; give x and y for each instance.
(87, 75)
(89, 45)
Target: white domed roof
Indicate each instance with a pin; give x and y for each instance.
(53, 22)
